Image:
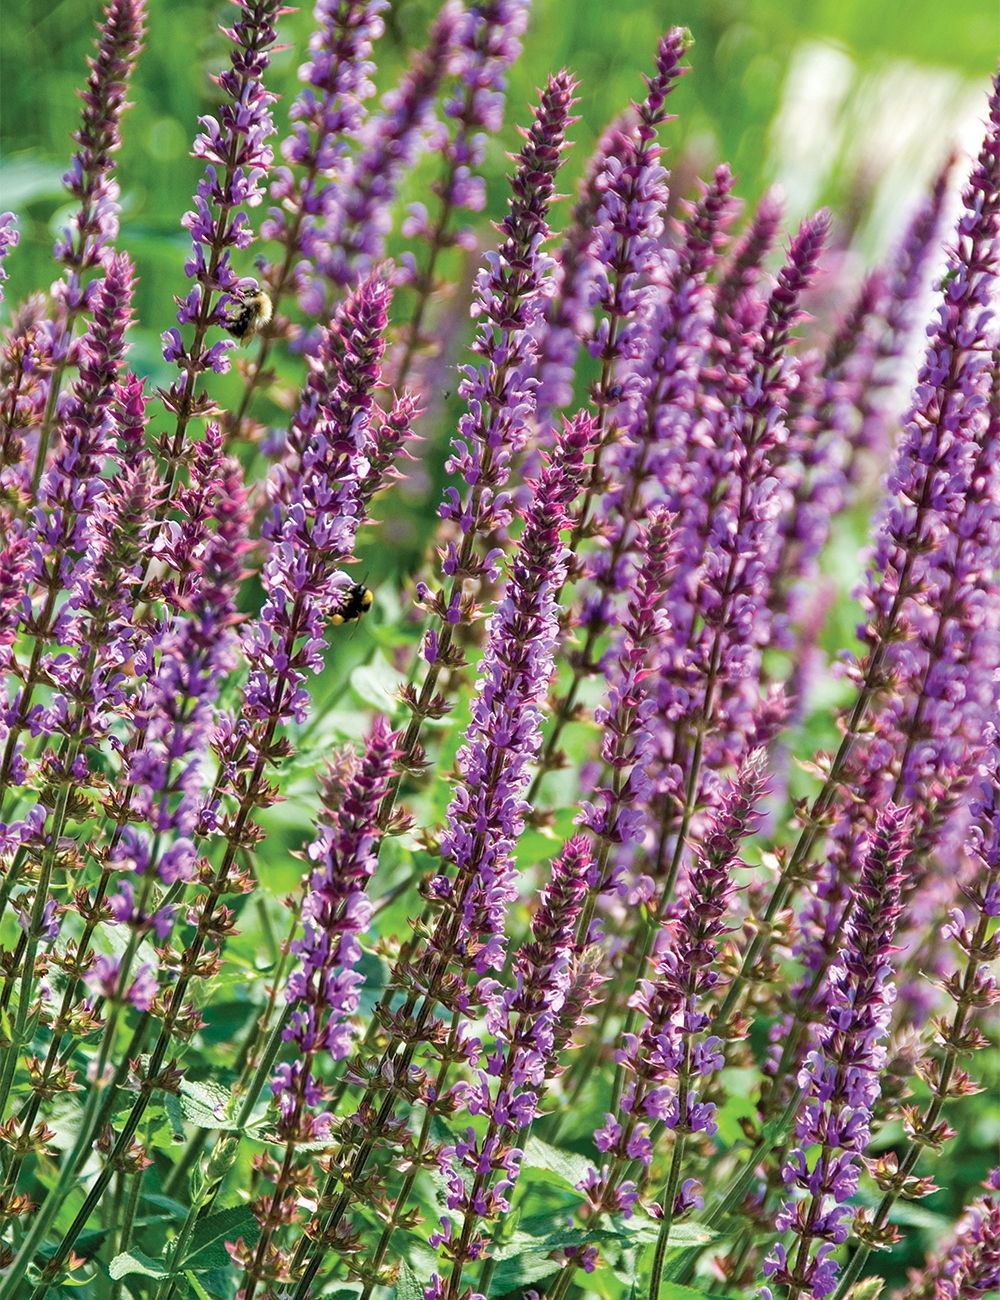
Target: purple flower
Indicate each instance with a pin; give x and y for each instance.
(356, 209)
(323, 990)
(659, 393)
(841, 1078)
(315, 526)
(568, 318)
(9, 237)
(94, 228)
(239, 158)
(326, 119)
(104, 977)
(664, 1060)
(734, 293)
(500, 393)
(931, 600)
(485, 819)
(194, 648)
(728, 502)
(889, 337)
(970, 1268)
(67, 497)
(629, 220)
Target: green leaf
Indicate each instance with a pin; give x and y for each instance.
(134, 1261)
(630, 1264)
(683, 1235)
(26, 179)
(541, 1233)
(207, 1104)
(173, 1208)
(674, 1291)
(196, 1286)
(565, 1167)
(739, 1085)
(408, 1284)
(218, 1282)
(208, 1250)
(521, 1270)
(175, 1114)
(377, 683)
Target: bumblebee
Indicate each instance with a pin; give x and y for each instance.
(355, 601)
(248, 315)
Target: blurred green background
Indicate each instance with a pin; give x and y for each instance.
(846, 101)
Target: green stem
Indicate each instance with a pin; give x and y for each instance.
(128, 1222)
(20, 1035)
(667, 1204)
(53, 1202)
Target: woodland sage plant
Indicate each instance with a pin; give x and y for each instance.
(599, 981)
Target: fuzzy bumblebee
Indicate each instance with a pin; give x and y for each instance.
(248, 315)
(354, 601)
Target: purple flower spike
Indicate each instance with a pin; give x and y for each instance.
(500, 392)
(326, 118)
(529, 1022)
(95, 227)
(660, 385)
(9, 237)
(741, 276)
(665, 1060)
(485, 820)
(238, 156)
(313, 528)
(930, 595)
(841, 1077)
(197, 648)
(628, 223)
(356, 211)
(323, 991)
(131, 420)
(516, 668)
(72, 480)
(568, 317)
(728, 503)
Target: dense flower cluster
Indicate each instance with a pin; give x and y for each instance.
(599, 979)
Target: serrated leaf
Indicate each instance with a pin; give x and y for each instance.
(565, 1167)
(207, 1104)
(218, 1282)
(521, 1270)
(408, 1285)
(208, 1248)
(134, 1261)
(683, 1235)
(541, 1233)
